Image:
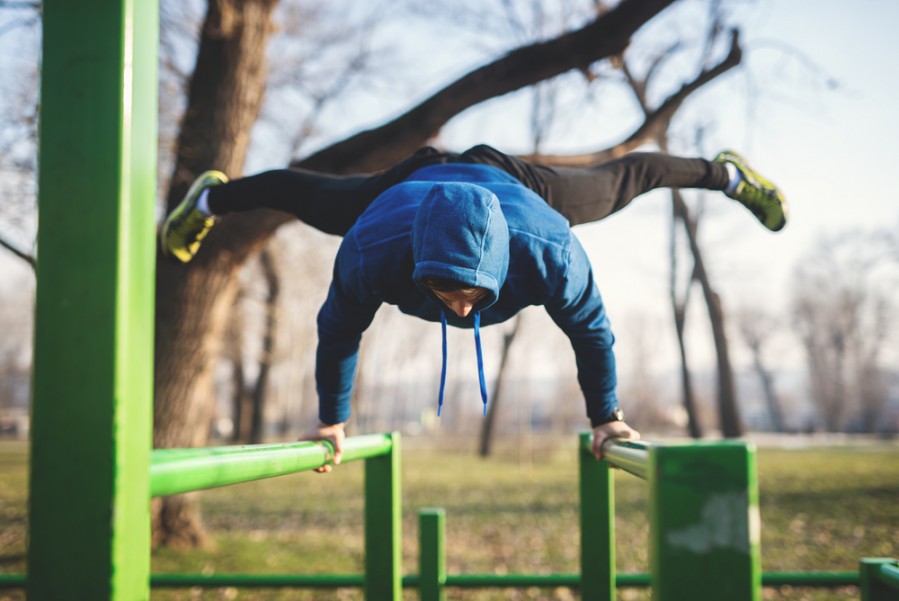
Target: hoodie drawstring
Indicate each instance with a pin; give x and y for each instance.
(477, 344)
(443, 370)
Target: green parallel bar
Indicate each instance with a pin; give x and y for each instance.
(89, 537)
(257, 580)
(175, 471)
(432, 554)
(889, 574)
(597, 516)
(631, 456)
(879, 579)
(704, 522)
(201, 471)
(383, 525)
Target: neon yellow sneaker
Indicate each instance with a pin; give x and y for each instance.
(756, 193)
(185, 227)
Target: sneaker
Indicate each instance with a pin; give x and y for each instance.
(186, 226)
(756, 193)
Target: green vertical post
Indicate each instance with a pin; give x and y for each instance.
(383, 525)
(432, 554)
(872, 585)
(704, 517)
(93, 361)
(597, 525)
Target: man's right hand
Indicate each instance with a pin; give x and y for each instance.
(333, 433)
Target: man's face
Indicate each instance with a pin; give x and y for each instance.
(461, 301)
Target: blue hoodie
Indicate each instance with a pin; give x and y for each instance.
(477, 225)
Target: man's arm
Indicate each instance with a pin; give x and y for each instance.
(346, 313)
(577, 309)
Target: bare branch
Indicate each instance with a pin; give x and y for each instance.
(604, 37)
(19, 253)
(658, 119)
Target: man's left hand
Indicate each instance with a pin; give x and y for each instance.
(603, 432)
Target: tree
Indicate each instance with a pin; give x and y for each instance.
(844, 305)
(757, 328)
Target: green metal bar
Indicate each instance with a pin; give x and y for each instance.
(13, 581)
(879, 579)
(597, 515)
(704, 522)
(383, 525)
(432, 554)
(184, 474)
(258, 580)
(631, 456)
(512, 580)
(93, 358)
(889, 575)
(175, 471)
(816, 579)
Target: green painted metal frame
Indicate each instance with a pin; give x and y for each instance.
(93, 356)
(879, 579)
(704, 522)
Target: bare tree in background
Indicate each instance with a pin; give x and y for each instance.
(844, 307)
(757, 328)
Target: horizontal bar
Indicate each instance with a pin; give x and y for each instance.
(631, 456)
(636, 580)
(815, 579)
(889, 575)
(257, 580)
(512, 580)
(174, 471)
(12, 581)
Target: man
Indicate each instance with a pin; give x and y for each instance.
(467, 240)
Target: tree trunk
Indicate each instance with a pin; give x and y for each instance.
(268, 346)
(192, 303)
(728, 411)
(487, 429)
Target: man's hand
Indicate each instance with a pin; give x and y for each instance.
(332, 433)
(603, 432)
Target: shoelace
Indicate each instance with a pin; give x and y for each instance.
(477, 344)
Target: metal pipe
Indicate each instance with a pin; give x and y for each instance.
(889, 574)
(631, 456)
(174, 471)
(257, 580)
(817, 579)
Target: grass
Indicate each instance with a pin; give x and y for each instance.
(822, 509)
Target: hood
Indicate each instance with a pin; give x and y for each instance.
(459, 233)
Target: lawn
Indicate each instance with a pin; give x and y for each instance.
(822, 508)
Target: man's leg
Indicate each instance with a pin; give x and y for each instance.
(330, 203)
(588, 194)
(584, 195)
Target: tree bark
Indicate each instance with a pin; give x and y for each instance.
(192, 303)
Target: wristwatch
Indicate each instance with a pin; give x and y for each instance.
(615, 415)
